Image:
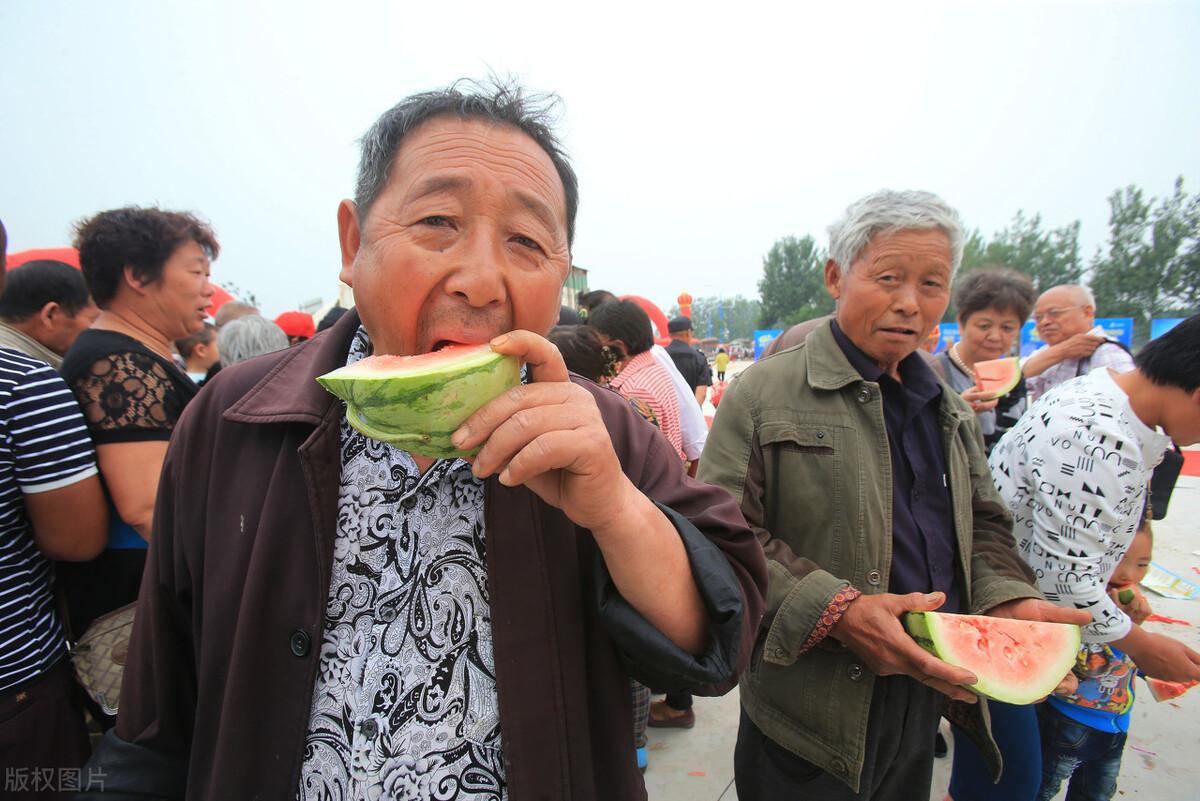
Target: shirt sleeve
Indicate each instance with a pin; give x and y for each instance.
(1114, 357)
(692, 425)
(49, 440)
(1068, 495)
(125, 397)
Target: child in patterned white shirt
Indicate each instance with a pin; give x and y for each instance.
(1083, 734)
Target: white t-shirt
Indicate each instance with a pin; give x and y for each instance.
(1074, 472)
(692, 424)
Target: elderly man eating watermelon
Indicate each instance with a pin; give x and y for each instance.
(865, 479)
(327, 615)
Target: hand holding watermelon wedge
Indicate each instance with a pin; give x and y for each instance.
(550, 437)
(871, 627)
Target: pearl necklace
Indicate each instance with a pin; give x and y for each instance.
(958, 362)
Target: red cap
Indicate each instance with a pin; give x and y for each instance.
(296, 324)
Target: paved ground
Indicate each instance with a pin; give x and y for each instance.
(1162, 760)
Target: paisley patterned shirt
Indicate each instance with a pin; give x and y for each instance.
(405, 701)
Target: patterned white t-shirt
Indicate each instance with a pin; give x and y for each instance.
(405, 702)
(1074, 472)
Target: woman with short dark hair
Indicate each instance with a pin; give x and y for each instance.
(148, 271)
(992, 304)
(625, 328)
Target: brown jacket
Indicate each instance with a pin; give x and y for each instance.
(224, 658)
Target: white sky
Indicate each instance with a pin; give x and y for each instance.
(699, 138)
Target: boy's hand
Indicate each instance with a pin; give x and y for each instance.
(1132, 602)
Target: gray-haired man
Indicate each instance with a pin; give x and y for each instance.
(868, 487)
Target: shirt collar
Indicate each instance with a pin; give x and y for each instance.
(915, 375)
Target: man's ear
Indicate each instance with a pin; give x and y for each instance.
(833, 279)
(48, 312)
(350, 237)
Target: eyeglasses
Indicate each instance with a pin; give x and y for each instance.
(1053, 314)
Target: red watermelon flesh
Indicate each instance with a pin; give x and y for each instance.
(1166, 690)
(997, 377)
(1016, 661)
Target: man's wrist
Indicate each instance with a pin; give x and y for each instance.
(632, 512)
(833, 613)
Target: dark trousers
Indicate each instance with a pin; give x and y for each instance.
(897, 766)
(1088, 759)
(43, 739)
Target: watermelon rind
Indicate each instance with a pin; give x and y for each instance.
(983, 371)
(418, 404)
(933, 632)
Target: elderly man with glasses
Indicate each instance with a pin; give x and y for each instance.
(1066, 321)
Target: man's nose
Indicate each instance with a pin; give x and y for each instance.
(904, 299)
(478, 272)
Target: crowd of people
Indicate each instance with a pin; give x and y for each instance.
(317, 614)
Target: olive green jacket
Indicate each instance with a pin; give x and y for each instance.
(800, 442)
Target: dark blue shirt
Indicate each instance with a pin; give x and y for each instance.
(923, 543)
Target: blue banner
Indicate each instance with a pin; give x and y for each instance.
(1162, 325)
(764, 337)
(1118, 328)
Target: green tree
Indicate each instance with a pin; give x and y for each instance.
(1048, 257)
(1151, 267)
(737, 317)
(792, 288)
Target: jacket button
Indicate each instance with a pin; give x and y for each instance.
(820, 435)
(300, 642)
(387, 613)
(855, 672)
(874, 577)
(839, 766)
(780, 653)
(864, 395)
(370, 728)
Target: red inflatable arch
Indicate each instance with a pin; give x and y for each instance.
(656, 317)
(71, 256)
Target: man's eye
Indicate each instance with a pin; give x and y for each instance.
(436, 219)
(526, 242)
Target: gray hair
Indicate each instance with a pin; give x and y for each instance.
(888, 211)
(1081, 292)
(247, 337)
(493, 102)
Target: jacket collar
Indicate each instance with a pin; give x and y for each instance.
(289, 392)
(828, 367)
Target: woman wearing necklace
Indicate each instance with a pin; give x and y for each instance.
(992, 303)
(148, 271)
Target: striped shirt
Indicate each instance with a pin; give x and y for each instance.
(647, 380)
(44, 445)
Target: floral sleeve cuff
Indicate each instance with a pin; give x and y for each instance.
(829, 618)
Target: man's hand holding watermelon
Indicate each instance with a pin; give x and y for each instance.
(549, 436)
(871, 628)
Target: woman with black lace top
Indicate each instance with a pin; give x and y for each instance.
(148, 270)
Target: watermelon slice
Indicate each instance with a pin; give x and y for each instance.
(997, 377)
(417, 402)
(1016, 661)
(1166, 690)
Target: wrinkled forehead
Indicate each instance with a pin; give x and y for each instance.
(445, 147)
